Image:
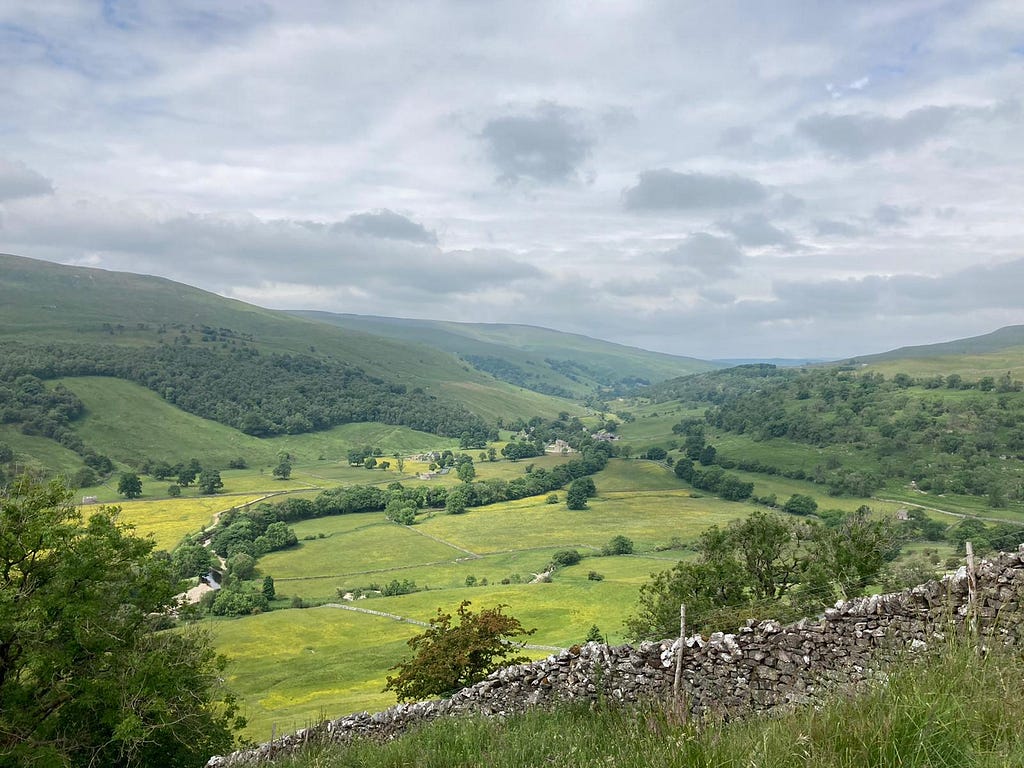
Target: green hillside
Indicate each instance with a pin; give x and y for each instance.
(540, 359)
(45, 302)
(240, 367)
(991, 354)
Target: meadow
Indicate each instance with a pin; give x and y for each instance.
(292, 666)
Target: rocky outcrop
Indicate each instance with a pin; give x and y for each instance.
(762, 666)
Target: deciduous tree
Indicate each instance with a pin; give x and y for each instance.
(85, 678)
(456, 651)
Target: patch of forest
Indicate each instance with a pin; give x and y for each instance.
(945, 434)
(259, 394)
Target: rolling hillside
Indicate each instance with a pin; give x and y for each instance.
(45, 302)
(255, 370)
(540, 359)
(987, 355)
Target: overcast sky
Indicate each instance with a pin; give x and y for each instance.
(799, 179)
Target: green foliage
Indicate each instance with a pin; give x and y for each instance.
(269, 590)
(594, 635)
(260, 394)
(129, 485)
(236, 601)
(581, 489)
(565, 557)
(242, 566)
(84, 678)
(174, 490)
(283, 470)
(450, 656)
(618, 545)
(766, 565)
(210, 481)
(800, 504)
(192, 559)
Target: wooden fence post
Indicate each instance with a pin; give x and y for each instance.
(677, 683)
(972, 591)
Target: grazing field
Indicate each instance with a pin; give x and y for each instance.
(126, 421)
(168, 520)
(39, 453)
(289, 665)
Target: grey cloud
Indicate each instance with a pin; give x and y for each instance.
(389, 225)
(976, 288)
(641, 287)
(827, 227)
(785, 206)
(547, 146)
(711, 256)
(235, 252)
(894, 215)
(754, 229)
(17, 180)
(861, 135)
(664, 189)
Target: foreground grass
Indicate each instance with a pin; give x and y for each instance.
(958, 710)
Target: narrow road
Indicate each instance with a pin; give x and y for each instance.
(960, 515)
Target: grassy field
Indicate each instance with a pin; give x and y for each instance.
(125, 421)
(509, 542)
(168, 520)
(39, 453)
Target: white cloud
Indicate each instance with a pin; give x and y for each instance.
(677, 176)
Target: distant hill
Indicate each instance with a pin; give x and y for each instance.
(261, 372)
(973, 357)
(43, 302)
(547, 361)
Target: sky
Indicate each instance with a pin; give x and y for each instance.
(714, 179)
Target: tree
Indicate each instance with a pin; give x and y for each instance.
(456, 651)
(129, 486)
(581, 489)
(466, 472)
(800, 504)
(186, 476)
(283, 470)
(399, 462)
(209, 481)
(269, 590)
(174, 490)
(618, 545)
(576, 497)
(85, 678)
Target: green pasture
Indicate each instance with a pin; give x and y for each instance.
(654, 422)
(367, 548)
(126, 421)
(954, 503)
(970, 366)
(169, 520)
(636, 475)
(40, 453)
(787, 454)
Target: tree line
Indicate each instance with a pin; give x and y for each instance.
(259, 394)
(940, 433)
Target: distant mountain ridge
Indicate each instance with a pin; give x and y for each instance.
(541, 359)
(1004, 338)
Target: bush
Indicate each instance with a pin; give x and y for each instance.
(565, 557)
(595, 576)
(450, 656)
(618, 545)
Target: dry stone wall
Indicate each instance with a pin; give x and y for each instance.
(762, 666)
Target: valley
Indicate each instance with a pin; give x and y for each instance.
(472, 511)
